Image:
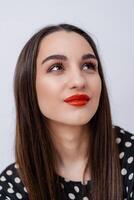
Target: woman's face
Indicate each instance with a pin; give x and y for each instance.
(74, 70)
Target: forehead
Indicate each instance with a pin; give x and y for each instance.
(64, 42)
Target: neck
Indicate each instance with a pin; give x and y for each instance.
(72, 147)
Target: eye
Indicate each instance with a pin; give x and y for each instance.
(56, 65)
(90, 65)
(59, 66)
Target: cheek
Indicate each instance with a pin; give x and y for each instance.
(46, 92)
(96, 87)
(45, 86)
(96, 93)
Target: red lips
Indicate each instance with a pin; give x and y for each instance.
(77, 100)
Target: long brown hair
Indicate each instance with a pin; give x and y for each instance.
(35, 151)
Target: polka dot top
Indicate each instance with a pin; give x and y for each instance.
(12, 188)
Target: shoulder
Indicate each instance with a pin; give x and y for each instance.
(125, 142)
(11, 186)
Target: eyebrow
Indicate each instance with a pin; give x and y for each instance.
(62, 57)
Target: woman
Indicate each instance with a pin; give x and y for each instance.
(66, 146)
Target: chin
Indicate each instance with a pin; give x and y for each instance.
(79, 122)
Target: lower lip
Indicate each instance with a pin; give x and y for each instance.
(78, 102)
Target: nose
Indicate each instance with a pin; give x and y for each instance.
(77, 79)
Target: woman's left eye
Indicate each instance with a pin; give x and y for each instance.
(90, 65)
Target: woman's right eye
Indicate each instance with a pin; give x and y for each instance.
(57, 65)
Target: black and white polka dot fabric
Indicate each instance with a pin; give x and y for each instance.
(12, 188)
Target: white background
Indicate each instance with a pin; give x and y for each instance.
(110, 22)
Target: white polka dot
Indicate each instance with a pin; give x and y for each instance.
(122, 131)
(10, 185)
(85, 182)
(132, 137)
(76, 188)
(131, 194)
(17, 180)
(19, 196)
(16, 166)
(131, 176)
(9, 172)
(85, 198)
(2, 178)
(71, 196)
(123, 171)
(0, 187)
(128, 144)
(121, 155)
(126, 188)
(7, 198)
(10, 190)
(118, 140)
(62, 186)
(25, 189)
(130, 159)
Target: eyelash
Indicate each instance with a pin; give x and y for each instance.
(92, 66)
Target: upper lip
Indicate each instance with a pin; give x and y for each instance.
(77, 97)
